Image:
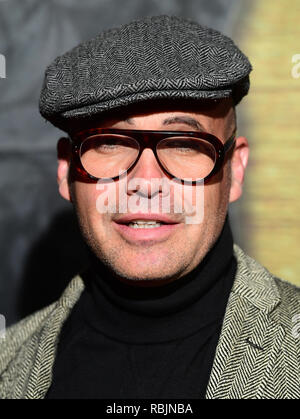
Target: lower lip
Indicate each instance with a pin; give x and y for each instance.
(146, 234)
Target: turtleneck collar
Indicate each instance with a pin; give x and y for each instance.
(160, 314)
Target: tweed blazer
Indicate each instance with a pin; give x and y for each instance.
(257, 356)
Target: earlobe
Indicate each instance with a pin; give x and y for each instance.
(64, 157)
(239, 163)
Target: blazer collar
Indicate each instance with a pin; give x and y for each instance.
(254, 283)
(250, 339)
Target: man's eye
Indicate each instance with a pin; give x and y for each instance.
(108, 146)
(183, 146)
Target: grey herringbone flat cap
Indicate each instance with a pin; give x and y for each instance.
(156, 57)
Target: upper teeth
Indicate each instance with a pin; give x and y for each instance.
(144, 224)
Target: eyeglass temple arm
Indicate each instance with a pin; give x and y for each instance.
(230, 142)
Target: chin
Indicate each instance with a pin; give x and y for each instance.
(145, 274)
(146, 279)
(153, 271)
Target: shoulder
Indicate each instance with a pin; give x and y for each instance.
(18, 334)
(288, 311)
(23, 341)
(256, 282)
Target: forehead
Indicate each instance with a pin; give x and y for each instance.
(195, 114)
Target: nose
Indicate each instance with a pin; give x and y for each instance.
(146, 177)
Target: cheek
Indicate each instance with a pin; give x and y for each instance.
(216, 195)
(86, 198)
(96, 198)
(212, 198)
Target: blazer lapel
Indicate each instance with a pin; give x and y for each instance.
(250, 339)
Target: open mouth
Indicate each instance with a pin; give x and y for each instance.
(149, 227)
(145, 220)
(145, 224)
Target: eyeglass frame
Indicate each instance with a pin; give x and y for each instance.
(150, 139)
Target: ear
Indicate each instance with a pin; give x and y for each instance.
(239, 162)
(64, 159)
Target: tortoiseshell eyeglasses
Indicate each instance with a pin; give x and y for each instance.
(189, 157)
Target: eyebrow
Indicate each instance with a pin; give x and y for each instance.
(191, 122)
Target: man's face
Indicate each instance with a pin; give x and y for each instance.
(161, 254)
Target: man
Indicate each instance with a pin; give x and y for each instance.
(169, 307)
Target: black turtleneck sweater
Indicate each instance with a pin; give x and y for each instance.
(122, 341)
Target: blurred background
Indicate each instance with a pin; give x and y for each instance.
(40, 245)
